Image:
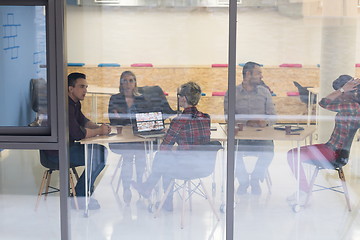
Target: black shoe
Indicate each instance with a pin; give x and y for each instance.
(255, 187)
(127, 195)
(93, 203)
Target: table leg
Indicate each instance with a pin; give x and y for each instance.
(235, 157)
(297, 206)
(309, 108)
(222, 206)
(90, 170)
(88, 177)
(86, 213)
(298, 174)
(223, 167)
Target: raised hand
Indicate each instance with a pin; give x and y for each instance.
(351, 85)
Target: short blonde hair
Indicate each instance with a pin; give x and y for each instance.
(192, 92)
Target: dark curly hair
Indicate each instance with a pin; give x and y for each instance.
(341, 81)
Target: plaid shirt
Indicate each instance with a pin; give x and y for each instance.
(346, 120)
(190, 128)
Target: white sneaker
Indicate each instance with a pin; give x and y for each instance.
(292, 199)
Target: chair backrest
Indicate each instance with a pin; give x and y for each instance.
(344, 153)
(304, 93)
(198, 162)
(45, 162)
(155, 95)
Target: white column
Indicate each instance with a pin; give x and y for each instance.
(338, 46)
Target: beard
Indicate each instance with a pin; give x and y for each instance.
(254, 84)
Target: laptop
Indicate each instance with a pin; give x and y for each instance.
(149, 125)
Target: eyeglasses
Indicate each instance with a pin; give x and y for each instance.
(128, 81)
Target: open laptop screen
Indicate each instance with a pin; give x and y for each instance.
(148, 122)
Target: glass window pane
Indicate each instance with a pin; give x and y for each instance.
(135, 67)
(300, 46)
(23, 70)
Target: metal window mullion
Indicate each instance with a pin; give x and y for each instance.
(231, 121)
(62, 116)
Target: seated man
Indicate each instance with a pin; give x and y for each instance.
(345, 101)
(80, 127)
(254, 107)
(190, 128)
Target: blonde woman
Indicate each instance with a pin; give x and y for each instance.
(122, 109)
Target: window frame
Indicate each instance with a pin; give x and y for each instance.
(46, 134)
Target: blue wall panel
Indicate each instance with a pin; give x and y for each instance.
(23, 50)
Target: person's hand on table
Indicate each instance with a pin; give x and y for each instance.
(104, 129)
(256, 123)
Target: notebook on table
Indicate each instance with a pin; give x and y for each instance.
(149, 125)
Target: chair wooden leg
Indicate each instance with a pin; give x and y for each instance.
(183, 205)
(73, 190)
(47, 184)
(164, 198)
(311, 184)
(75, 173)
(208, 197)
(41, 189)
(343, 182)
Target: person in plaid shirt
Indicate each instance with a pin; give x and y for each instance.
(345, 101)
(190, 128)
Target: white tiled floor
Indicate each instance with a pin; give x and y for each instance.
(264, 217)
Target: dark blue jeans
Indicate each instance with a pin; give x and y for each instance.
(77, 158)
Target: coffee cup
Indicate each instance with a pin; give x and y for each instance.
(236, 130)
(240, 126)
(287, 130)
(119, 130)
